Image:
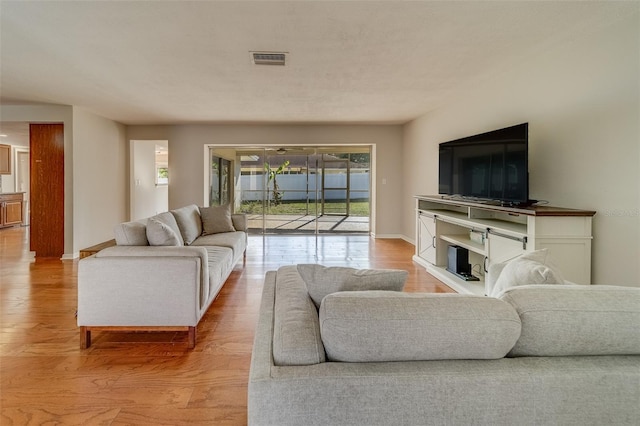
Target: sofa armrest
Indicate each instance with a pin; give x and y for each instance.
(154, 251)
(239, 221)
(119, 288)
(262, 355)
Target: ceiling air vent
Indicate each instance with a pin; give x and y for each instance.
(268, 58)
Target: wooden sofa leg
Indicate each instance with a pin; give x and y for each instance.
(85, 337)
(192, 337)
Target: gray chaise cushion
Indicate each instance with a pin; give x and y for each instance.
(378, 326)
(189, 222)
(160, 234)
(567, 320)
(296, 333)
(322, 280)
(216, 219)
(530, 268)
(131, 234)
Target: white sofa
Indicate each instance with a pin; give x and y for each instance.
(163, 274)
(537, 355)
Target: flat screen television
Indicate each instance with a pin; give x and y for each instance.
(490, 167)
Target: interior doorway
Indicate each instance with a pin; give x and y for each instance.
(149, 182)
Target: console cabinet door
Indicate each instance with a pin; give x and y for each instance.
(501, 249)
(427, 238)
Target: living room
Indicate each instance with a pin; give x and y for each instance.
(578, 89)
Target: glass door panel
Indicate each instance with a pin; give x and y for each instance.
(290, 192)
(251, 190)
(335, 185)
(219, 180)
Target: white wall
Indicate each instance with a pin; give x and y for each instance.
(186, 162)
(100, 178)
(581, 100)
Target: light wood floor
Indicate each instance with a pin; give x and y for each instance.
(149, 378)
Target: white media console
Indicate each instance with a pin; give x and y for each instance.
(494, 234)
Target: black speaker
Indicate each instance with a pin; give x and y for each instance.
(458, 260)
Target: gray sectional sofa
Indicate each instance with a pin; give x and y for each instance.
(536, 355)
(163, 274)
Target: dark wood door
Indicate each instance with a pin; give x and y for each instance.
(47, 189)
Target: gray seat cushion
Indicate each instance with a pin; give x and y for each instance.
(236, 241)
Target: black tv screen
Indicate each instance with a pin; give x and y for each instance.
(491, 166)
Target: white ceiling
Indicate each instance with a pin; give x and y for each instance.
(149, 62)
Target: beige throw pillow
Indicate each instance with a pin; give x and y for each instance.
(322, 280)
(216, 219)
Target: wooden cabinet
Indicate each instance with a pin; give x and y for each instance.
(11, 206)
(5, 159)
(494, 234)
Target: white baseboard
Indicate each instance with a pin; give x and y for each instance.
(71, 256)
(394, 236)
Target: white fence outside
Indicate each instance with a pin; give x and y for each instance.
(298, 187)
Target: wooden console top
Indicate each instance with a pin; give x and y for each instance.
(530, 211)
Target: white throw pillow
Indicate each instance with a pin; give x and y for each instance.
(161, 234)
(529, 268)
(322, 280)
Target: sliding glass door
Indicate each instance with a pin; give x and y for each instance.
(294, 189)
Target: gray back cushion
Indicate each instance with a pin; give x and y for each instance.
(189, 222)
(322, 280)
(378, 326)
(296, 335)
(565, 320)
